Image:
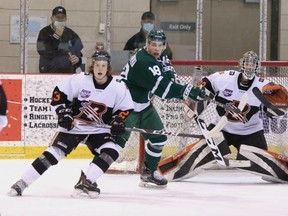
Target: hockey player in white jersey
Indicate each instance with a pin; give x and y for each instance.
(91, 98)
(246, 134)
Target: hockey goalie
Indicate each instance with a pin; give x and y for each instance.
(243, 130)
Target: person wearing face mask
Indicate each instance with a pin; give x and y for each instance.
(139, 39)
(59, 47)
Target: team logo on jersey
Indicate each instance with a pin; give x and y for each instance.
(232, 117)
(92, 112)
(85, 93)
(227, 92)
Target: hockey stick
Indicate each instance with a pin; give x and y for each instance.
(236, 111)
(141, 130)
(98, 123)
(233, 109)
(264, 101)
(213, 146)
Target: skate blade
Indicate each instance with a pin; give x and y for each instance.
(84, 195)
(12, 193)
(151, 185)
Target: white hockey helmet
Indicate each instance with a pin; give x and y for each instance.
(249, 64)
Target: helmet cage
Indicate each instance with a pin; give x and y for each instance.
(249, 65)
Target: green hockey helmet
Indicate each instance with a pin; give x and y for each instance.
(157, 35)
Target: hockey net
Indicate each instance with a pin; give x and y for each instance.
(172, 114)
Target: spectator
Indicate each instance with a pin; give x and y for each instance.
(139, 39)
(59, 47)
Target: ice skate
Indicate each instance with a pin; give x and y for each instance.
(17, 188)
(85, 188)
(152, 180)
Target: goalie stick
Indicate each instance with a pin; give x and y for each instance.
(214, 148)
(256, 91)
(219, 126)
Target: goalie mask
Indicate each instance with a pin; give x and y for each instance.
(249, 64)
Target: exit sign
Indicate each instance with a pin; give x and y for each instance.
(178, 26)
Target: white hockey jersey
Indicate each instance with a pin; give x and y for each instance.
(91, 103)
(226, 85)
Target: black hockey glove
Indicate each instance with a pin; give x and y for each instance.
(117, 126)
(194, 93)
(65, 117)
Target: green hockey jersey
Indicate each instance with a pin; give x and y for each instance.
(146, 76)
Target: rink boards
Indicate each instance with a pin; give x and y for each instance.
(31, 126)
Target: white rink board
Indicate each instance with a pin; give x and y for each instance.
(36, 96)
(37, 124)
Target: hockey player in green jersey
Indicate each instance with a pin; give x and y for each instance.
(148, 73)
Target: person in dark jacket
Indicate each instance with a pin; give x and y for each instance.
(139, 39)
(59, 47)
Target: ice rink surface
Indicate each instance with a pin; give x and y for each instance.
(212, 193)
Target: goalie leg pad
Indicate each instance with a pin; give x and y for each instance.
(188, 161)
(198, 159)
(271, 166)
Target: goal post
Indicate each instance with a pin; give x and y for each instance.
(171, 112)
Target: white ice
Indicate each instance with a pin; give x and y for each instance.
(214, 192)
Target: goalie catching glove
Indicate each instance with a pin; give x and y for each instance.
(117, 125)
(65, 117)
(275, 94)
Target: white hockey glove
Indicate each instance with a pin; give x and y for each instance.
(3, 121)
